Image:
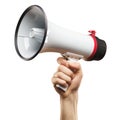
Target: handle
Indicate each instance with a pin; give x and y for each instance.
(64, 89)
(70, 57)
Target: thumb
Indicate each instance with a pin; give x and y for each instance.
(74, 66)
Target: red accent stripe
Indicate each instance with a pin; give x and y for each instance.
(95, 47)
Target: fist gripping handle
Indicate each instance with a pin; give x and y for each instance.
(70, 57)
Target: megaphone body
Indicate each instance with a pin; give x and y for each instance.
(35, 34)
(69, 43)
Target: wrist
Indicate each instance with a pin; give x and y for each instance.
(73, 97)
(69, 107)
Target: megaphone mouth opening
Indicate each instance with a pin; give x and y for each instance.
(41, 15)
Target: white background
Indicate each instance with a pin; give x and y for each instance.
(26, 91)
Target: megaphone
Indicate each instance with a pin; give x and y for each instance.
(35, 34)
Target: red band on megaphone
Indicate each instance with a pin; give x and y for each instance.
(95, 44)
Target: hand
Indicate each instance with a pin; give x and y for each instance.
(68, 74)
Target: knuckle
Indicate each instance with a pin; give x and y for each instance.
(69, 79)
(58, 68)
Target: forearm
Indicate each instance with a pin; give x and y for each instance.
(69, 107)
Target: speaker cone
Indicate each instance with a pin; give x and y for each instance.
(31, 32)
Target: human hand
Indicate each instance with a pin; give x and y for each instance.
(69, 74)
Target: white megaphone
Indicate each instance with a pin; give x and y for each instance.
(34, 34)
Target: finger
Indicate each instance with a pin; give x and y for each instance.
(59, 81)
(74, 66)
(65, 70)
(63, 76)
(62, 61)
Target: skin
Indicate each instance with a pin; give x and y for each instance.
(68, 74)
